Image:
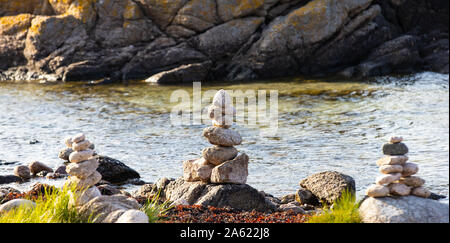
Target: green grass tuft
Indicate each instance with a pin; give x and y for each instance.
(51, 207)
(155, 210)
(344, 210)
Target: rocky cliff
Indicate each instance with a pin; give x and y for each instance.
(188, 40)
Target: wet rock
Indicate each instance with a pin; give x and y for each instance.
(328, 186)
(409, 209)
(22, 171)
(234, 171)
(304, 196)
(54, 175)
(16, 203)
(133, 216)
(221, 136)
(36, 167)
(115, 171)
(395, 149)
(216, 155)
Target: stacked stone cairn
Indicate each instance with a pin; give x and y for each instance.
(221, 163)
(398, 176)
(82, 168)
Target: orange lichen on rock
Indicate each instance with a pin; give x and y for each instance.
(11, 25)
(15, 7)
(231, 9)
(60, 6)
(83, 10)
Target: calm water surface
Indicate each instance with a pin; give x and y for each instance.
(332, 125)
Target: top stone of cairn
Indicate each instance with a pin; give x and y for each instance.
(222, 111)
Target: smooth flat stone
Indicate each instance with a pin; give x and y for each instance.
(217, 155)
(410, 169)
(412, 181)
(388, 179)
(388, 169)
(392, 160)
(395, 149)
(80, 156)
(378, 191)
(86, 182)
(222, 136)
(84, 169)
(80, 146)
(78, 138)
(395, 140)
(36, 167)
(399, 189)
(421, 192)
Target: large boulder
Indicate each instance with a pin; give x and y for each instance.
(328, 186)
(223, 40)
(409, 209)
(241, 197)
(114, 171)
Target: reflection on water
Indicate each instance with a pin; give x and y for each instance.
(323, 125)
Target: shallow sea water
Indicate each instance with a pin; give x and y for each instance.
(322, 125)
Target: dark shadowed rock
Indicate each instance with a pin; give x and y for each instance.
(329, 186)
(242, 197)
(6, 179)
(115, 171)
(304, 196)
(395, 149)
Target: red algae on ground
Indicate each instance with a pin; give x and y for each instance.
(201, 214)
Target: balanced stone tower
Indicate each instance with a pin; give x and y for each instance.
(83, 163)
(221, 163)
(398, 176)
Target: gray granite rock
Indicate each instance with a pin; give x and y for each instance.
(328, 186)
(409, 209)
